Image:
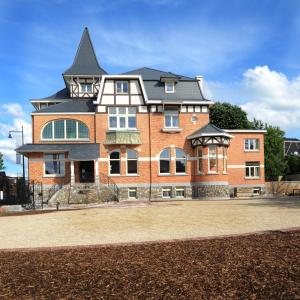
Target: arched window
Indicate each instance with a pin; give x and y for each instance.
(114, 163)
(65, 130)
(180, 161)
(132, 158)
(164, 161)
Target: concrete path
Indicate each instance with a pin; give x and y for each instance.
(159, 221)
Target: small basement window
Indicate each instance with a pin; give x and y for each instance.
(132, 193)
(169, 87)
(180, 193)
(166, 193)
(256, 191)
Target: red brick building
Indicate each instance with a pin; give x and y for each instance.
(146, 130)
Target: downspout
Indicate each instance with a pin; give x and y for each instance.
(150, 154)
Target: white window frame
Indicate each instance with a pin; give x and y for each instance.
(255, 142)
(198, 160)
(65, 131)
(256, 191)
(181, 158)
(172, 114)
(172, 83)
(114, 159)
(63, 161)
(130, 190)
(212, 156)
(84, 87)
(180, 189)
(122, 82)
(255, 168)
(125, 115)
(132, 159)
(166, 189)
(166, 159)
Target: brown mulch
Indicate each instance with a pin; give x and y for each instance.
(259, 266)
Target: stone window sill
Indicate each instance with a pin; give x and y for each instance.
(171, 130)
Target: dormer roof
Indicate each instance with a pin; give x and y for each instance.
(85, 61)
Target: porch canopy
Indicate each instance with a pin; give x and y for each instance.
(210, 135)
(78, 152)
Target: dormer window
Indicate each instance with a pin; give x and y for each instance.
(122, 87)
(169, 87)
(86, 87)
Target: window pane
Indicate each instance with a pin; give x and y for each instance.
(246, 144)
(175, 121)
(114, 155)
(71, 129)
(166, 193)
(212, 164)
(180, 153)
(112, 110)
(247, 172)
(83, 131)
(168, 121)
(132, 166)
(180, 166)
(59, 129)
(122, 110)
(199, 152)
(112, 122)
(47, 132)
(200, 165)
(164, 166)
(119, 87)
(132, 110)
(131, 122)
(165, 153)
(114, 167)
(122, 122)
(125, 87)
(131, 154)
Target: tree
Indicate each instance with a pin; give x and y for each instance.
(228, 116)
(293, 164)
(2, 167)
(275, 164)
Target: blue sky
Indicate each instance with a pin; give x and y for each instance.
(248, 51)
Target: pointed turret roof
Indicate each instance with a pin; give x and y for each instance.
(85, 62)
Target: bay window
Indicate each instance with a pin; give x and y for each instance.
(199, 160)
(212, 159)
(224, 159)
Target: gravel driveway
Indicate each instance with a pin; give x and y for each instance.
(158, 221)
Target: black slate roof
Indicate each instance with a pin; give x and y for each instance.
(72, 106)
(292, 147)
(85, 62)
(208, 129)
(85, 151)
(63, 94)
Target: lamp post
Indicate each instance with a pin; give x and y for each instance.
(10, 136)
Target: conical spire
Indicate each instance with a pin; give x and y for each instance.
(85, 62)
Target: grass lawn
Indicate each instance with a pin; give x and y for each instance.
(259, 266)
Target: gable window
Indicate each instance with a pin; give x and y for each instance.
(86, 87)
(180, 161)
(171, 119)
(199, 160)
(114, 163)
(169, 87)
(164, 161)
(65, 130)
(132, 160)
(122, 87)
(212, 159)
(122, 118)
(252, 169)
(54, 165)
(251, 144)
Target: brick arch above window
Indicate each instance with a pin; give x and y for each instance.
(65, 129)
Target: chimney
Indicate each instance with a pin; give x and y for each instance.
(199, 79)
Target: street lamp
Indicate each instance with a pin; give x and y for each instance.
(10, 137)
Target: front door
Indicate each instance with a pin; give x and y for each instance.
(86, 171)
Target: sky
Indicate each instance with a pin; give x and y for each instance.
(247, 51)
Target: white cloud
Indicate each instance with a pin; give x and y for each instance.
(13, 109)
(264, 94)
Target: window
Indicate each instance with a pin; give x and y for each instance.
(169, 87)
(224, 160)
(171, 119)
(122, 118)
(65, 130)
(199, 160)
(180, 193)
(132, 193)
(54, 164)
(114, 163)
(256, 191)
(252, 169)
(166, 192)
(131, 162)
(180, 161)
(251, 144)
(164, 161)
(86, 87)
(212, 159)
(122, 87)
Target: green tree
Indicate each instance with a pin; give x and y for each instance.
(275, 164)
(2, 167)
(228, 116)
(293, 164)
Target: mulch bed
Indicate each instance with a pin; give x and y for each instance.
(259, 266)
